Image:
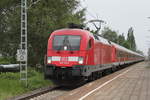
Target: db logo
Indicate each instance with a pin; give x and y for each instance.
(64, 60)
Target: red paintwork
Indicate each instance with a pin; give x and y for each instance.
(99, 53)
(85, 36)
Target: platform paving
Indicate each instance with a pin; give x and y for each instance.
(131, 83)
(134, 85)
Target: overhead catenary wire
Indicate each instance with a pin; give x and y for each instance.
(95, 19)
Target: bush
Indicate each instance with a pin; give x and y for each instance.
(7, 60)
(10, 84)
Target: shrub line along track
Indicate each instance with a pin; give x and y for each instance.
(35, 93)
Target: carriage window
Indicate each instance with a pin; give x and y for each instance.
(118, 54)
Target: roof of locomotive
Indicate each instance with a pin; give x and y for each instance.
(72, 31)
(103, 40)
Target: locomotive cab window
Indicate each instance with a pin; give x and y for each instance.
(66, 42)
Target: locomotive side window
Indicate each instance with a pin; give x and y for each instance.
(89, 44)
(118, 54)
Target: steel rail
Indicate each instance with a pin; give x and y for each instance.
(34, 93)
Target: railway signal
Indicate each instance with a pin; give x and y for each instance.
(21, 55)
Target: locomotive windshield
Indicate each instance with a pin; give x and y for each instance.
(66, 42)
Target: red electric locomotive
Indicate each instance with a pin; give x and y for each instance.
(75, 54)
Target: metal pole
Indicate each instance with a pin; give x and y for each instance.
(23, 50)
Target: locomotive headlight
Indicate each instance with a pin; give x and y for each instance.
(80, 60)
(49, 59)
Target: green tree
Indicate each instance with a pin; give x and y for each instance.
(121, 39)
(43, 18)
(126, 44)
(6, 9)
(110, 34)
(131, 39)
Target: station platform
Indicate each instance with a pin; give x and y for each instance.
(130, 83)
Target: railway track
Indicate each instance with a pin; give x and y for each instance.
(53, 94)
(35, 93)
(46, 93)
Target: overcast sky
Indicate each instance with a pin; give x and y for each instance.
(120, 15)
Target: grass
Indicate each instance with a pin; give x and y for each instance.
(10, 84)
(4, 60)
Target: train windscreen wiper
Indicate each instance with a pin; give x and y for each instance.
(65, 44)
(70, 46)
